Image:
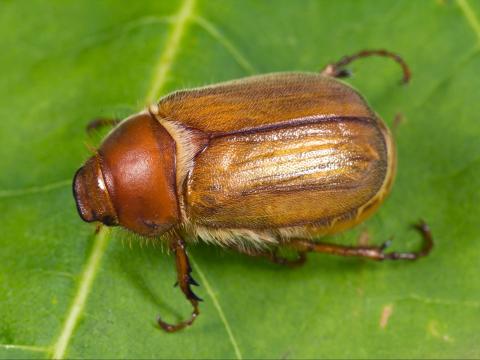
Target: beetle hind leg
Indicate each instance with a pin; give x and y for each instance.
(184, 281)
(427, 245)
(371, 252)
(338, 69)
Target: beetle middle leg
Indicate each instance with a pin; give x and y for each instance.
(338, 69)
(370, 252)
(184, 280)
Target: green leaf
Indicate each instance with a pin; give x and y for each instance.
(68, 292)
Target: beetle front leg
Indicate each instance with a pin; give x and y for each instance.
(184, 280)
(338, 69)
(370, 252)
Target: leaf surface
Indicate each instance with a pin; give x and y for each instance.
(66, 292)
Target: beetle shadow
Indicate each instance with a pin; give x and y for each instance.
(132, 260)
(318, 267)
(225, 258)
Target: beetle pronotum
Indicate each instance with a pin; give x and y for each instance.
(253, 164)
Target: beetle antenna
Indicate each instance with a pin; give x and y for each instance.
(338, 69)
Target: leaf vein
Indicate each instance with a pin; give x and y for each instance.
(463, 61)
(470, 16)
(213, 31)
(219, 309)
(161, 70)
(166, 60)
(438, 301)
(88, 275)
(34, 189)
(32, 348)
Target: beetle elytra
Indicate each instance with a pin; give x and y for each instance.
(254, 164)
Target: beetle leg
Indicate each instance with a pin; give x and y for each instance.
(338, 70)
(184, 280)
(99, 123)
(274, 257)
(370, 252)
(299, 261)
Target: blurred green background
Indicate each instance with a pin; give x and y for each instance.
(65, 292)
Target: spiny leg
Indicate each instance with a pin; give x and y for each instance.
(184, 280)
(97, 124)
(274, 257)
(370, 252)
(338, 69)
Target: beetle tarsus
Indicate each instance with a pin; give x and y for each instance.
(427, 245)
(426, 233)
(181, 325)
(386, 244)
(338, 70)
(184, 280)
(370, 252)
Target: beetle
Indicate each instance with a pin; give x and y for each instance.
(255, 164)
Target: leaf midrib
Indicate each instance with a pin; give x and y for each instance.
(89, 273)
(100, 245)
(161, 69)
(471, 17)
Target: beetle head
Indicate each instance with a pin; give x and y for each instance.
(131, 180)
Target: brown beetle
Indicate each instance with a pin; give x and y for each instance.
(252, 164)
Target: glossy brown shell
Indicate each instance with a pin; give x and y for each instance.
(278, 151)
